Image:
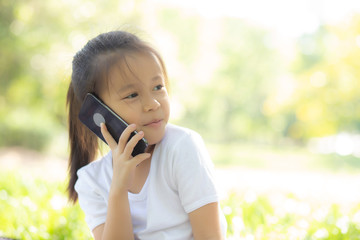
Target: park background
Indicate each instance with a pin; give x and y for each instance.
(272, 86)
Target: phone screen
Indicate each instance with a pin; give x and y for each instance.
(93, 112)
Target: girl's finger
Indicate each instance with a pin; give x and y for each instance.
(108, 138)
(132, 143)
(125, 135)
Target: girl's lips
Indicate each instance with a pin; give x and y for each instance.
(155, 123)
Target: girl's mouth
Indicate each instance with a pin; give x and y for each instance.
(154, 123)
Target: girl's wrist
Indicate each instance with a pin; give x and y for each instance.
(118, 190)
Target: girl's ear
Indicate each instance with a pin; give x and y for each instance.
(83, 143)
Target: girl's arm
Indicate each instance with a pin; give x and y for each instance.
(118, 219)
(205, 222)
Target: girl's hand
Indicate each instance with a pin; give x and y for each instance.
(124, 164)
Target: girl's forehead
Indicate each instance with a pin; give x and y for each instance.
(135, 67)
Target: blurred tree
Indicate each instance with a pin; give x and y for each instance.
(228, 77)
(327, 97)
(21, 89)
(184, 28)
(254, 94)
(230, 105)
(37, 42)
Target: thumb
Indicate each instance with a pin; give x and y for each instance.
(140, 158)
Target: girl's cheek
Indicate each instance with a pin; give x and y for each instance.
(163, 97)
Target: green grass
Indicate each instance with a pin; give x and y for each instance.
(285, 217)
(38, 209)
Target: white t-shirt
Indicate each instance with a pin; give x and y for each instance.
(180, 181)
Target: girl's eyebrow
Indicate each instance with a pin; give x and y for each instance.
(157, 77)
(126, 88)
(131, 86)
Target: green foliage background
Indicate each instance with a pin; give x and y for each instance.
(231, 80)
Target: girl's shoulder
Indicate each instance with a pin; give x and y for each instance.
(178, 138)
(175, 134)
(98, 167)
(95, 177)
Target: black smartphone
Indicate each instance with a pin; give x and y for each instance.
(93, 112)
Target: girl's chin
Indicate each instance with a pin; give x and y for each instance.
(152, 140)
(154, 136)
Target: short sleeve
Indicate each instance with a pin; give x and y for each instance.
(91, 201)
(193, 171)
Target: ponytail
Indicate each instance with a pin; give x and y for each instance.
(83, 143)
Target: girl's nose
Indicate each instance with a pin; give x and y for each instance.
(150, 104)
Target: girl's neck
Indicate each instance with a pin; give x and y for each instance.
(150, 149)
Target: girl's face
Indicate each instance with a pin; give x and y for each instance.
(141, 96)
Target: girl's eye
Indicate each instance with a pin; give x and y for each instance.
(158, 87)
(133, 95)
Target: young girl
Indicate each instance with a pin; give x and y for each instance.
(167, 192)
